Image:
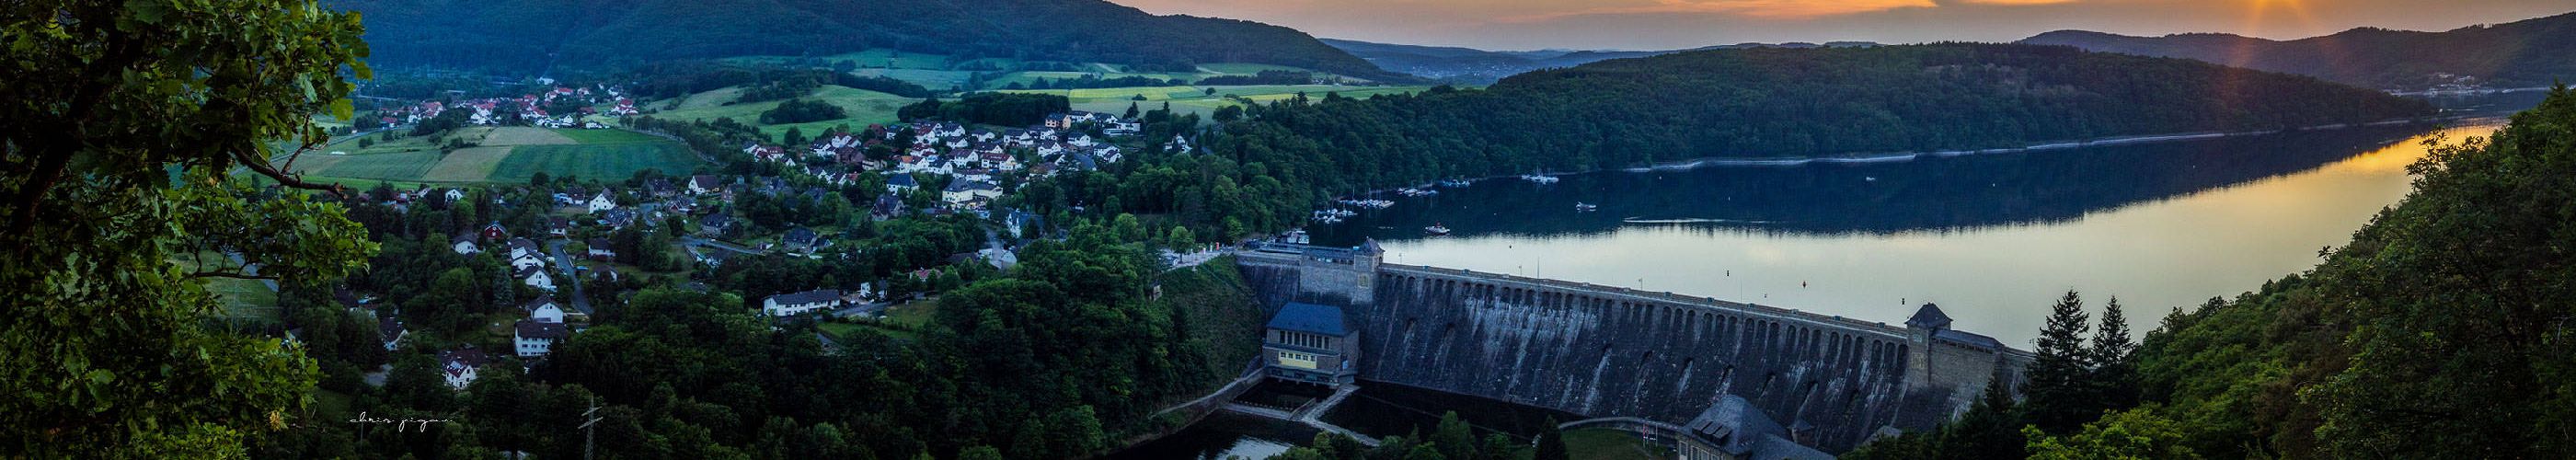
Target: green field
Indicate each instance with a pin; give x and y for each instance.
(242, 299)
(1609, 444)
(509, 154)
(608, 161)
(864, 107)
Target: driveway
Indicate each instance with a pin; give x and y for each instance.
(572, 275)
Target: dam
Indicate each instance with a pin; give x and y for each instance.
(1828, 382)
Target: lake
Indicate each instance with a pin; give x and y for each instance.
(1994, 239)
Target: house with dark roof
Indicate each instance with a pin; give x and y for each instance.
(801, 238)
(888, 205)
(901, 182)
(463, 244)
(1735, 428)
(797, 303)
(459, 366)
(390, 331)
(660, 187)
(536, 336)
(704, 184)
(599, 249)
(1310, 343)
(714, 224)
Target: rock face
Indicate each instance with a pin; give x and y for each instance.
(1611, 352)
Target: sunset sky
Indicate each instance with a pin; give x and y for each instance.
(1667, 24)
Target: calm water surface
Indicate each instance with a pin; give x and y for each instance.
(1992, 238)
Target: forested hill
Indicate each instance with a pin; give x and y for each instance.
(1772, 102)
(1470, 65)
(531, 34)
(2532, 52)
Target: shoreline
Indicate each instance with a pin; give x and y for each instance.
(1684, 165)
(1863, 158)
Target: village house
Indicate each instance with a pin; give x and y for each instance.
(459, 366)
(537, 335)
(463, 244)
(792, 304)
(803, 239)
(599, 249)
(494, 232)
(536, 277)
(900, 183)
(963, 191)
(714, 224)
(703, 184)
(390, 331)
(603, 202)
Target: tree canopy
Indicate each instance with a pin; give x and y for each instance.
(125, 122)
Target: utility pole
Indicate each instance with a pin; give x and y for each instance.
(589, 428)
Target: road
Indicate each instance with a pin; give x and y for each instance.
(571, 274)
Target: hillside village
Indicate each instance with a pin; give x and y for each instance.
(574, 232)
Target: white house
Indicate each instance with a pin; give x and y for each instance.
(537, 335)
(801, 302)
(701, 185)
(964, 190)
(463, 244)
(523, 248)
(602, 203)
(458, 366)
(537, 278)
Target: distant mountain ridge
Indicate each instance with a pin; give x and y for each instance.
(532, 35)
(2532, 52)
(1480, 66)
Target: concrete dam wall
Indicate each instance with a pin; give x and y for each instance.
(1612, 352)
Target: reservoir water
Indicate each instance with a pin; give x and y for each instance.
(1993, 239)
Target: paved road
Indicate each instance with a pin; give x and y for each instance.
(571, 274)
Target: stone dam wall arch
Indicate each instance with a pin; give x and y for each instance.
(1613, 352)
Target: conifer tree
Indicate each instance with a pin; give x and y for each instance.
(2115, 374)
(2060, 394)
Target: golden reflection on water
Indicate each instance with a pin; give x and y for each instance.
(1998, 281)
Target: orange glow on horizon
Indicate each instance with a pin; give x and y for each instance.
(1776, 9)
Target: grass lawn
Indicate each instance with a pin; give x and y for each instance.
(863, 107)
(1609, 444)
(915, 314)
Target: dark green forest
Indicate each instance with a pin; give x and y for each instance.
(2524, 53)
(535, 35)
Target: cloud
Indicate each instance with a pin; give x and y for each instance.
(1778, 9)
(2019, 2)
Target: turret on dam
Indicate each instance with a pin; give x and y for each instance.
(1603, 351)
